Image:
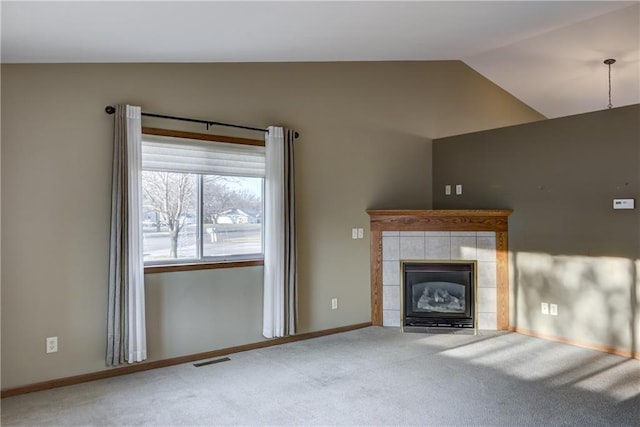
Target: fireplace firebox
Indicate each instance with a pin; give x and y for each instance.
(438, 294)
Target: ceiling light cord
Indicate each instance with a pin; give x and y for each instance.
(609, 62)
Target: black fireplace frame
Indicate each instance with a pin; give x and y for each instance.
(419, 321)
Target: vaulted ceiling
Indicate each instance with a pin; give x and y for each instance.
(548, 54)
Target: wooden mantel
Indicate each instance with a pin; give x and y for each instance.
(441, 220)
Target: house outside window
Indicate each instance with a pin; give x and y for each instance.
(202, 200)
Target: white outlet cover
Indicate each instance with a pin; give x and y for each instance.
(360, 233)
(553, 309)
(52, 344)
(354, 233)
(447, 190)
(459, 189)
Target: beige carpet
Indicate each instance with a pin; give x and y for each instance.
(372, 376)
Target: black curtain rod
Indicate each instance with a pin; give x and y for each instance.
(110, 110)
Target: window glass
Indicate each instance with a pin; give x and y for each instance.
(232, 210)
(170, 215)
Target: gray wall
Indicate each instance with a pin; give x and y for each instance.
(366, 142)
(568, 246)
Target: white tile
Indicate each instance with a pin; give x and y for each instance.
(437, 233)
(412, 234)
(390, 233)
(391, 318)
(390, 273)
(463, 247)
(463, 233)
(437, 247)
(412, 247)
(390, 248)
(488, 321)
(487, 300)
(486, 247)
(391, 297)
(487, 274)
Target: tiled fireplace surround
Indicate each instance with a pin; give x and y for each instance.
(433, 235)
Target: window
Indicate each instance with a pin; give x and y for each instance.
(202, 198)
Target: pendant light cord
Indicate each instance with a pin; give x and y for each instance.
(609, 62)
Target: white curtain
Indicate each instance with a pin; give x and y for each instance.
(280, 312)
(126, 332)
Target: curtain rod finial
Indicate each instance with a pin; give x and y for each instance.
(109, 109)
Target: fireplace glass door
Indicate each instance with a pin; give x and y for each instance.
(438, 294)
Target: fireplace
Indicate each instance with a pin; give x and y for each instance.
(479, 235)
(438, 294)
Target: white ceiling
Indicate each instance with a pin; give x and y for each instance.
(549, 54)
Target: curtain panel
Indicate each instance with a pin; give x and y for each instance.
(280, 314)
(126, 332)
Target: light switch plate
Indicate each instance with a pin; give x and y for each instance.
(459, 189)
(544, 307)
(447, 190)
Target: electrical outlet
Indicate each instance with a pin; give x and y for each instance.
(360, 233)
(354, 233)
(458, 189)
(553, 309)
(447, 190)
(52, 344)
(334, 303)
(544, 308)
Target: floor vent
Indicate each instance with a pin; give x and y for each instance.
(211, 362)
